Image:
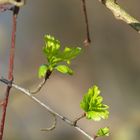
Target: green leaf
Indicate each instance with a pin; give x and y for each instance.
(93, 106)
(66, 55)
(103, 132)
(97, 115)
(70, 53)
(42, 71)
(64, 69)
(55, 56)
(52, 46)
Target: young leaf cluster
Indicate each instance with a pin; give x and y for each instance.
(103, 132)
(56, 57)
(93, 106)
(60, 60)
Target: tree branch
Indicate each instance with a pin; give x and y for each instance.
(121, 14)
(27, 93)
(10, 73)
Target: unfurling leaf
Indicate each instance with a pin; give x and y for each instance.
(103, 132)
(70, 53)
(93, 106)
(51, 47)
(42, 71)
(55, 56)
(64, 69)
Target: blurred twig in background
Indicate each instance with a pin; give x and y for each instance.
(87, 40)
(17, 3)
(121, 14)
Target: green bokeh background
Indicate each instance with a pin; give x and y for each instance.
(112, 62)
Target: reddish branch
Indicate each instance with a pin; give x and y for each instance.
(10, 73)
(88, 40)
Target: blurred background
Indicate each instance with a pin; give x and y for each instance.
(112, 62)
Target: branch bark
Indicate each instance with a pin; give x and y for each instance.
(121, 14)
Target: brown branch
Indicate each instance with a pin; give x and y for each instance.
(88, 40)
(121, 14)
(10, 73)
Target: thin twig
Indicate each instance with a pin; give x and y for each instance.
(42, 83)
(53, 125)
(95, 137)
(10, 73)
(79, 118)
(121, 14)
(88, 40)
(39, 87)
(66, 120)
